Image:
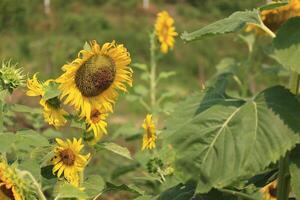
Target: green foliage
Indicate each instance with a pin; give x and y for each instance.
(115, 148)
(295, 171)
(235, 22)
(287, 45)
(214, 123)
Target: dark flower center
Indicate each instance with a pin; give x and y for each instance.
(95, 116)
(95, 75)
(273, 192)
(67, 156)
(7, 192)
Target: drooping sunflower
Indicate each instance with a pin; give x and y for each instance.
(274, 18)
(68, 160)
(53, 113)
(92, 79)
(270, 191)
(165, 31)
(12, 185)
(150, 137)
(97, 124)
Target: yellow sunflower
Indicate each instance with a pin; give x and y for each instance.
(97, 124)
(53, 113)
(165, 31)
(12, 185)
(274, 18)
(150, 137)
(68, 160)
(92, 79)
(269, 191)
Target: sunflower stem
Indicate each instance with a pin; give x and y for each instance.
(39, 190)
(152, 71)
(283, 187)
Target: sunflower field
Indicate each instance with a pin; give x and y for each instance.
(149, 100)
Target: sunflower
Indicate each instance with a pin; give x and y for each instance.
(92, 79)
(96, 123)
(68, 160)
(274, 18)
(269, 191)
(53, 113)
(12, 185)
(165, 31)
(150, 133)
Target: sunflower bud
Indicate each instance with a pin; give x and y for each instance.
(11, 77)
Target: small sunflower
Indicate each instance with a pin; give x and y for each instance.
(92, 79)
(150, 137)
(269, 191)
(165, 31)
(68, 160)
(53, 113)
(274, 18)
(12, 185)
(96, 123)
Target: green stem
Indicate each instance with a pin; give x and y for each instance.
(267, 30)
(152, 72)
(1, 117)
(238, 194)
(39, 190)
(283, 188)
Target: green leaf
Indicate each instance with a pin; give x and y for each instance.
(32, 166)
(47, 172)
(235, 22)
(141, 90)
(6, 141)
(115, 148)
(165, 75)
(272, 5)
(287, 44)
(94, 185)
(119, 171)
(140, 66)
(28, 139)
(295, 171)
(25, 109)
(222, 140)
(66, 190)
(123, 187)
(51, 91)
(179, 192)
(146, 197)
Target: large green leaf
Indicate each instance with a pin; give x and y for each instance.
(6, 141)
(287, 44)
(222, 140)
(295, 171)
(235, 22)
(94, 185)
(179, 192)
(113, 147)
(66, 190)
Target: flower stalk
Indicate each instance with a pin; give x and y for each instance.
(152, 72)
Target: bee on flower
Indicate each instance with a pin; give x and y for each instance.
(165, 31)
(97, 124)
(149, 139)
(68, 161)
(53, 113)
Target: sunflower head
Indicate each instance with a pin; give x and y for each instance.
(96, 124)
(68, 160)
(149, 138)
(13, 185)
(165, 31)
(274, 18)
(270, 191)
(11, 77)
(92, 80)
(53, 113)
